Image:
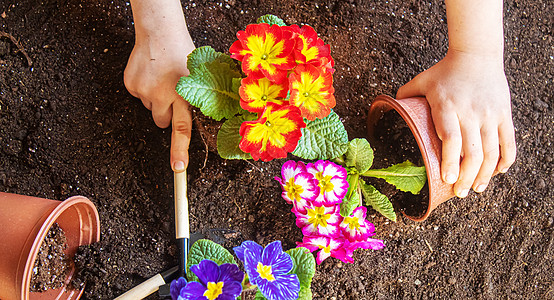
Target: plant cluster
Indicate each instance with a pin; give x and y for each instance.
(214, 274)
(316, 191)
(279, 101)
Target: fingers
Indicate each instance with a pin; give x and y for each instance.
(162, 113)
(448, 130)
(491, 150)
(471, 162)
(507, 141)
(411, 89)
(180, 135)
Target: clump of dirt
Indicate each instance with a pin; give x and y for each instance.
(394, 143)
(51, 265)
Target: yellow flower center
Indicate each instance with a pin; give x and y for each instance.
(265, 272)
(293, 190)
(264, 57)
(353, 222)
(317, 216)
(214, 290)
(325, 249)
(325, 183)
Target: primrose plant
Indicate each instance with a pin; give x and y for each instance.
(316, 191)
(276, 274)
(279, 101)
(327, 199)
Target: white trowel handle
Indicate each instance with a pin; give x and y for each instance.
(182, 230)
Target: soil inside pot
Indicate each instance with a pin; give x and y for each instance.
(394, 143)
(51, 265)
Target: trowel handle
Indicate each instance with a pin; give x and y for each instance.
(182, 230)
(149, 286)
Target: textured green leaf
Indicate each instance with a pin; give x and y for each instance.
(378, 201)
(352, 199)
(271, 19)
(359, 155)
(207, 54)
(304, 265)
(305, 293)
(406, 176)
(322, 139)
(206, 249)
(210, 88)
(228, 138)
(236, 85)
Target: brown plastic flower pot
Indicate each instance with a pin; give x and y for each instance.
(24, 223)
(417, 114)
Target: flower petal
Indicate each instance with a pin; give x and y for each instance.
(275, 133)
(206, 271)
(176, 286)
(311, 90)
(193, 290)
(284, 287)
(229, 273)
(232, 289)
(248, 245)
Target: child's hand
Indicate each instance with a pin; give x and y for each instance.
(158, 60)
(470, 106)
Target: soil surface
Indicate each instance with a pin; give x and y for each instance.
(68, 126)
(51, 265)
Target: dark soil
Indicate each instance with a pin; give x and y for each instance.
(51, 265)
(68, 126)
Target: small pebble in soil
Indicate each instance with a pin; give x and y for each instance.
(51, 265)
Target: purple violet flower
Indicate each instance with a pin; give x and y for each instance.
(268, 269)
(216, 282)
(176, 287)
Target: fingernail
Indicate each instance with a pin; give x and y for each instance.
(504, 170)
(480, 188)
(463, 193)
(179, 166)
(451, 178)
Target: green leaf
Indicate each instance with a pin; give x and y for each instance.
(206, 249)
(305, 293)
(271, 20)
(303, 265)
(210, 88)
(236, 85)
(259, 296)
(322, 139)
(207, 54)
(359, 155)
(378, 201)
(228, 138)
(352, 199)
(406, 176)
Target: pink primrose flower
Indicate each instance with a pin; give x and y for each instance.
(331, 181)
(327, 246)
(355, 227)
(319, 220)
(298, 185)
